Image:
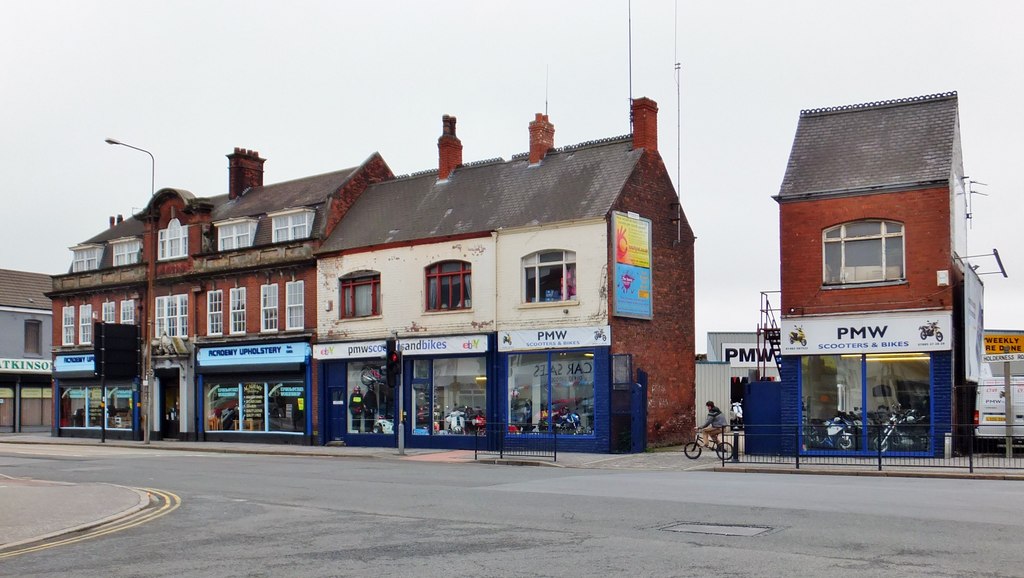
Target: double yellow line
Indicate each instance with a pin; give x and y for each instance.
(168, 503)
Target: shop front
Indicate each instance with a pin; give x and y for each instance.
(864, 382)
(445, 381)
(26, 395)
(90, 407)
(556, 381)
(257, 392)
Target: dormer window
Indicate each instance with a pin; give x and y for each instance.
(126, 251)
(173, 241)
(235, 234)
(87, 258)
(292, 225)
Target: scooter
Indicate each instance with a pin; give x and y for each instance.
(384, 425)
(736, 410)
(456, 421)
(798, 335)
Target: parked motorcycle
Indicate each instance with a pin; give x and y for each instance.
(841, 432)
(567, 421)
(384, 425)
(736, 419)
(931, 328)
(455, 422)
(899, 434)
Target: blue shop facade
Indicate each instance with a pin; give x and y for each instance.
(258, 392)
(846, 378)
(455, 389)
(87, 406)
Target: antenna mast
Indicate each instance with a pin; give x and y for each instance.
(629, 22)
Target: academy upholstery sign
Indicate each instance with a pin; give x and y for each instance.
(632, 274)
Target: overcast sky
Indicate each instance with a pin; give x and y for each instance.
(319, 86)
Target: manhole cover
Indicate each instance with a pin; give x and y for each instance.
(718, 529)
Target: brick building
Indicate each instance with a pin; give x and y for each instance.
(871, 313)
(534, 292)
(222, 288)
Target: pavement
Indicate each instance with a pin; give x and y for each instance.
(37, 510)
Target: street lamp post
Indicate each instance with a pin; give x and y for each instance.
(147, 355)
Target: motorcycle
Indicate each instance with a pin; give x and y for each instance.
(384, 425)
(455, 422)
(840, 432)
(898, 436)
(797, 335)
(567, 421)
(736, 419)
(931, 328)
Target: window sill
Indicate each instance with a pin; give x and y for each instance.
(362, 318)
(551, 304)
(863, 285)
(445, 311)
(175, 258)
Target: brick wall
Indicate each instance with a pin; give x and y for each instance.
(664, 346)
(928, 248)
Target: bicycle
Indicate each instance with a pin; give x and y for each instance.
(693, 449)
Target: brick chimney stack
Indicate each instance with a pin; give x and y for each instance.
(449, 148)
(542, 138)
(645, 124)
(245, 170)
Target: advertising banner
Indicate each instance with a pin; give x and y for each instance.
(632, 274)
(254, 354)
(554, 338)
(447, 345)
(881, 333)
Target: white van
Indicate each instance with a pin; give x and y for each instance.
(990, 409)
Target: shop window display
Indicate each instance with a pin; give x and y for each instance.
(276, 406)
(80, 406)
(371, 403)
(119, 407)
(449, 396)
(836, 389)
(551, 392)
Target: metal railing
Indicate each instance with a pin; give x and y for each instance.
(507, 439)
(875, 447)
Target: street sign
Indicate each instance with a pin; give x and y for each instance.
(1003, 347)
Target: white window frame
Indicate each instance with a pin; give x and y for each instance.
(172, 315)
(173, 241)
(85, 324)
(237, 297)
(215, 312)
(68, 325)
(533, 262)
(295, 307)
(292, 225)
(881, 272)
(268, 308)
(86, 258)
(233, 235)
(110, 312)
(128, 312)
(126, 252)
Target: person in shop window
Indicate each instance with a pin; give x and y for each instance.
(228, 418)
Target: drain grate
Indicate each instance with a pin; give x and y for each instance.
(718, 529)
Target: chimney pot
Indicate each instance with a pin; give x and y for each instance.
(542, 138)
(449, 148)
(120, 219)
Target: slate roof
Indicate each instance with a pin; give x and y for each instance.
(23, 289)
(571, 183)
(878, 145)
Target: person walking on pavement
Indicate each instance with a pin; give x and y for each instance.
(715, 422)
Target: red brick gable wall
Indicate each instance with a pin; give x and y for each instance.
(927, 247)
(664, 347)
(374, 171)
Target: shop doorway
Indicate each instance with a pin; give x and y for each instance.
(169, 405)
(336, 416)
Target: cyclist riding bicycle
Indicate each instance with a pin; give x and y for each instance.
(714, 424)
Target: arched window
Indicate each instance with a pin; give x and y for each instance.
(173, 241)
(449, 286)
(863, 252)
(549, 276)
(360, 295)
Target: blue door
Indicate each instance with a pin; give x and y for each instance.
(336, 413)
